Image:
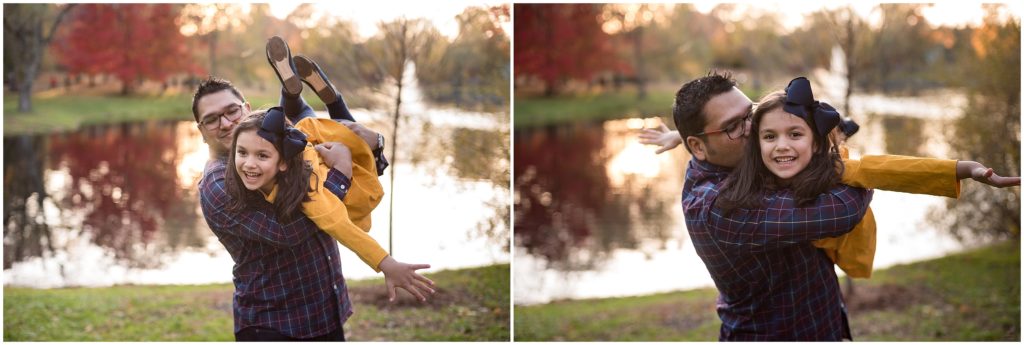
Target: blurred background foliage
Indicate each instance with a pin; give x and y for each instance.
(170, 45)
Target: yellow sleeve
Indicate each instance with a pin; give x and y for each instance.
(332, 216)
(903, 174)
(366, 192)
(853, 252)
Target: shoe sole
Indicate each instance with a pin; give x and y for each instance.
(309, 71)
(277, 53)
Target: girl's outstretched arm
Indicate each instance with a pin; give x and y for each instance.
(980, 173)
(402, 275)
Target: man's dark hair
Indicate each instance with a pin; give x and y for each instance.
(688, 110)
(212, 85)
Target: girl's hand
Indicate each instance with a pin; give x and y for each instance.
(402, 275)
(661, 137)
(980, 173)
(337, 156)
(988, 176)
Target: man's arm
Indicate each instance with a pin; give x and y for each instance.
(781, 222)
(254, 223)
(374, 140)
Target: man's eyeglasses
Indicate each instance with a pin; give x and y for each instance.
(212, 122)
(733, 130)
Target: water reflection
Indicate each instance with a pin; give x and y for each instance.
(583, 191)
(97, 187)
(26, 234)
(118, 204)
(904, 135)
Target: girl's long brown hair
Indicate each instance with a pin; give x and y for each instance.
(747, 186)
(293, 184)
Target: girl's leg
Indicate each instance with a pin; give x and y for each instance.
(295, 107)
(315, 77)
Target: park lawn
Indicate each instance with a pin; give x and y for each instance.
(70, 112)
(539, 111)
(470, 304)
(971, 296)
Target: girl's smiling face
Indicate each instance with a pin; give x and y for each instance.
(257, 161)
(787, 143)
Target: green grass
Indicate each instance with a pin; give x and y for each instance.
(470, 304)
(70, 112)
(532, 112)
(964, 297)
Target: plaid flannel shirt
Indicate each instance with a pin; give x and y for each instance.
(773, 283)
(287, 276)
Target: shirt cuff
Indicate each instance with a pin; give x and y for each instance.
(337, 183)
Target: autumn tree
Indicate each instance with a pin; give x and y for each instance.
(988, 132)
(209, 21)
(130, 41)
(632, 20)
(28, 29)
(560, 42)
(472, 70)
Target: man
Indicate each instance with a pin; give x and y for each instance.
(287, 276)
(773, 284)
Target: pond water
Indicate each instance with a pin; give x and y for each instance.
(118, 204)
(597, 214)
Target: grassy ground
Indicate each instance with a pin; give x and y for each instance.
(57, 113)
(470, 304)
(532, 112)
(965, 297)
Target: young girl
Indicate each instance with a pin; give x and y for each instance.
(278, 162)
(790, 147)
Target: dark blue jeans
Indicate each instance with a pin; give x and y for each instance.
(297, 109)
(267, 334)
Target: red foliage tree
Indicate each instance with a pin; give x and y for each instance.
(558, 42)
(130, 41)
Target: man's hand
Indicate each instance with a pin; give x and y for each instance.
(402, 275)
(370, 137)
(336, 155)
(980, 173)
(661, 137)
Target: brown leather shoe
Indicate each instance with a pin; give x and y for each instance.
(315, 77)
(280, 58)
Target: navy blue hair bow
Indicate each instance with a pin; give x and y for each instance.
(800, 101)
(274, 129)
(849, 127)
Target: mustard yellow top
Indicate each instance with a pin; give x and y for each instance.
(348, 221)
(854, 252)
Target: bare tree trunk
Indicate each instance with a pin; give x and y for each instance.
(126, 84)
(641, 77)
(402, 58)
(850, 55)
(212, 41)
(24, 22)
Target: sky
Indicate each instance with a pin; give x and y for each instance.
(366, 14)
(951, 13)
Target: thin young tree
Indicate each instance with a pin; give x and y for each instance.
(401, 41)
